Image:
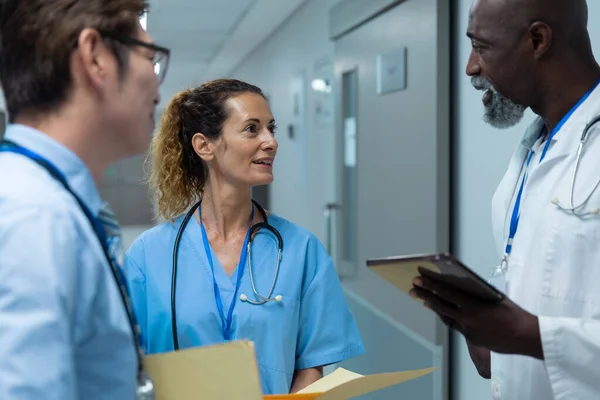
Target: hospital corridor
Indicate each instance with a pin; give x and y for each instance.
(383, 131)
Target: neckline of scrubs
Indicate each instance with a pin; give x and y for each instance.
(238, 271)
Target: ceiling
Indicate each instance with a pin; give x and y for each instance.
(209, 38)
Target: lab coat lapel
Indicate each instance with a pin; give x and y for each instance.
(566, 140)
(563, 143)
(501, 204)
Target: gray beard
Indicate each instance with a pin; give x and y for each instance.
(500, 112)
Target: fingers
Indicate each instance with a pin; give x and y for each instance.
(450, 323)
(436, 304)
(442, 290)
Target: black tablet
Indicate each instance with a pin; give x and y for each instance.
(443, 267)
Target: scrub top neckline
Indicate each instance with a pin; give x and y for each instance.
(193, 236)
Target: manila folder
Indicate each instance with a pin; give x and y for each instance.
(225, 371)
(342, 384)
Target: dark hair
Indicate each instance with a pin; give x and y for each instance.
(178, 174)
(38, 37)
(7, 7)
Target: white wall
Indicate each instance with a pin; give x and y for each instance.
(301, 187)
(483, 155)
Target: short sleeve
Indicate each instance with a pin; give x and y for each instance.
(133, 266)
(327, 331)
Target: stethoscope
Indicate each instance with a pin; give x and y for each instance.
(502, 268)
(243, 297)
(570, 207)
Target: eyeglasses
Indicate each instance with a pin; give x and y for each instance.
(161, 54)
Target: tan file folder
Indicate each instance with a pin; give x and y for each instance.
(343, 384)
(229, 371)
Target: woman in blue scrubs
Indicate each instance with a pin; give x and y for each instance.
(215, 143)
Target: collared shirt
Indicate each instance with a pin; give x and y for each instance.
(64, 333)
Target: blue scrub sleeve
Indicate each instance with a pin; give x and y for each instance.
(327, 332)
(136, 283)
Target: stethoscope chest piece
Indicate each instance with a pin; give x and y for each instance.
(268, 298)
(254, 229)
(245, 298)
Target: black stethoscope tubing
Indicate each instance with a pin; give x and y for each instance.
(253, 230)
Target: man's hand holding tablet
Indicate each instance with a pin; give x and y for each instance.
(465, 302)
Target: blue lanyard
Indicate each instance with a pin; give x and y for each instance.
(116, 269)
(514, 220)
(9, 147)
(225, 323)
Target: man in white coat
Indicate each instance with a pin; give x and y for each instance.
(544, 337)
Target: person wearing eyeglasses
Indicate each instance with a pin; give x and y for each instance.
(81, 82)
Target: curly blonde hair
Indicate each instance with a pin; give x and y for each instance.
(178, 175)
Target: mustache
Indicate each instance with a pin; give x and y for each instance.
(481, 83)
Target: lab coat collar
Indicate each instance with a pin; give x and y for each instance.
(72, 167)
(532, 133)
(566, 140)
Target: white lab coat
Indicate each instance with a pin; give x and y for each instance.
(554, 267)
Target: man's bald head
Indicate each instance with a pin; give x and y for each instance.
(521, 47)
(567, 19)
(539, 9)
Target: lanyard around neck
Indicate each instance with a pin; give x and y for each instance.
(226, 322)
(10, 147)
(514, 220)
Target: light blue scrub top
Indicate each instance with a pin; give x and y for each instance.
(310, 327)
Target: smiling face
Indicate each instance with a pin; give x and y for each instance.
(499, 110)
(500, 63)
(244, 153)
